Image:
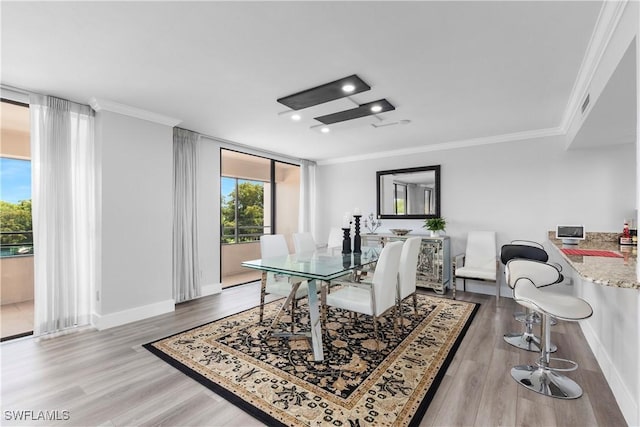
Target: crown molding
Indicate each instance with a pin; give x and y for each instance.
(607, 21)
(606, 24)
(474, 142)
(115, 107)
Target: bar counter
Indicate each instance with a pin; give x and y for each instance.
(610, 286)
(607, 271)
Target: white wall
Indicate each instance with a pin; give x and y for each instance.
(519, 189)
(135, 215)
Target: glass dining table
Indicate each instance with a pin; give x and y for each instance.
(322, 265)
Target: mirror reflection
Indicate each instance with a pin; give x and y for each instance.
(412, 193)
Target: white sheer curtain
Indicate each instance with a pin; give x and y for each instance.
(307, 214)
(186, 268)
(64, 212)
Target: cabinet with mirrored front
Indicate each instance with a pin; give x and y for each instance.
(434, 260)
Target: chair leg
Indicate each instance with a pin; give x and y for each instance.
(398, 317)
(415, 303)
(464, 284)
(293, 312)
(375, 332)
(263, 286)
(395, 315)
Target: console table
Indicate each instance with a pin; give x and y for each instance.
(434, 260)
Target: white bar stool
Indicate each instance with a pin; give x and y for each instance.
(541, 274)
(542, 377)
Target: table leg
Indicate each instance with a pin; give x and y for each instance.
(292, 295)
(314, 317)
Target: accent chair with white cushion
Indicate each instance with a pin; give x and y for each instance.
(479, 262)
(273, 245)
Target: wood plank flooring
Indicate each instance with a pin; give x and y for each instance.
(106, 378)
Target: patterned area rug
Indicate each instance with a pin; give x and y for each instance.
(359, 383)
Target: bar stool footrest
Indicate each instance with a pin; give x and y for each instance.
(572, 366)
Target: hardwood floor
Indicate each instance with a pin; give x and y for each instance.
(106, 378)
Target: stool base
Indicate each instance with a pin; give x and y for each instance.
(547, 382)
(527, 342)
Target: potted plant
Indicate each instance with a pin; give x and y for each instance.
(435, 225)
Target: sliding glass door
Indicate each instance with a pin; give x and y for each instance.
(258, 196)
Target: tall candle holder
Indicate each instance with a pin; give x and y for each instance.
(356, 238)
(346, 241)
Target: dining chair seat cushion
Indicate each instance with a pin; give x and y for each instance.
(283, 288)
(487, 272)
(563, 307)
(351, 298)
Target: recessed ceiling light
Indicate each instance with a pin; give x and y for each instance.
(376, 108)
(296, 117)
(348, 88)
(325, 130)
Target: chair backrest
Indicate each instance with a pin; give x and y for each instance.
(408, 266)
(335, 238)
(303, 242)
(385, 277)
(527, 243)
(538, 272)
(512, 251)
(481, 250)
(272, 245)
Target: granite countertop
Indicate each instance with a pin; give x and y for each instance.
(608, 271)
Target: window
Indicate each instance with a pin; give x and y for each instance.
(15, 182)
(243, 203)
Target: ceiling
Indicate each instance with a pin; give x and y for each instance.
(612, 121)
(453, 70)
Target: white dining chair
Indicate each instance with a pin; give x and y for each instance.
(303, 243)
(374, 298)
(294, 288)
(335, 238)
(407, 273)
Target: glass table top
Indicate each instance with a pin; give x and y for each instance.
(323, 264)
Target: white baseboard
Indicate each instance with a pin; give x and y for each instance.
(111, 320)
(214, 288)
(626, 402)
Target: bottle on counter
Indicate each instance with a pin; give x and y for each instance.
(625, 237)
